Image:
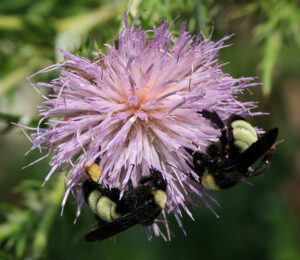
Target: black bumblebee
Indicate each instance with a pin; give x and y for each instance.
(227, 161)
(139, 205)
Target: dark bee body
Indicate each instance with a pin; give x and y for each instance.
(139, 205)
(227, 161)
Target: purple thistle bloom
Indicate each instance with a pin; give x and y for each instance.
(136, 107)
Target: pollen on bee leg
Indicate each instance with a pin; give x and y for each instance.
(94, 171)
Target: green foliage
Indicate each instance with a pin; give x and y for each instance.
(280, 25)
(25, 229)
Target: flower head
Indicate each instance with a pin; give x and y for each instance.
(135, 108)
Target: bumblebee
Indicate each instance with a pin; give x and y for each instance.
(138, 205)
(228, 160)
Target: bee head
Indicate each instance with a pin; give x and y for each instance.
(158, 181)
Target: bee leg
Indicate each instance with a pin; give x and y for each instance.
(264, 164)
(214, 118)
(130, 185)
(218, 123)
(198, 155)
(145, 179)
(97, 161)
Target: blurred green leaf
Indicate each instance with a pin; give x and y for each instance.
(202, 15)
(280, 25)
(10, 22)
(272, 49)
(10, 81)
(245, 10)
(26, 229)
(8, 119)
(284, 240)
(53, 203)
(73, 30)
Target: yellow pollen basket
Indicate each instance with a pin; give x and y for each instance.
(94, 171)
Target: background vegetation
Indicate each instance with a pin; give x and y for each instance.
(259, 222)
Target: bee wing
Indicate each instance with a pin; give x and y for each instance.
(112, 228)
(254, 152)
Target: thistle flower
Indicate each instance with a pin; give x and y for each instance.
(136, 107)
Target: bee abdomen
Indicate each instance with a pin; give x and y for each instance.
(102, 206)
(244, 134)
